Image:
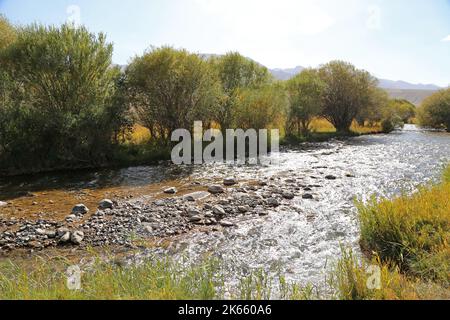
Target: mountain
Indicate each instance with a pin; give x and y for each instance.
(414, 96)
(286, 74)
(402, 85)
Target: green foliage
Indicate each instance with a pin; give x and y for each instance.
(236, 73)
(260, 108)
(8, 33)
(64, 108)
(435, 110)
(404, 109)
(306, 101)
(347, 92)
(169, 89)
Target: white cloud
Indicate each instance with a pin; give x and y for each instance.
(446, 39)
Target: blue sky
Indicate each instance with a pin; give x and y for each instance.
(394, 39)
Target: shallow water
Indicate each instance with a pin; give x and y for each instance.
(302, 240)
(299, 240)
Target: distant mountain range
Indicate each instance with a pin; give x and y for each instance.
(286, 74)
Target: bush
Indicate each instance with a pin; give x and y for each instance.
(169, 89)
(435, 110)
(236, 73)
(65, 108)
(347, 92)
(306, 101)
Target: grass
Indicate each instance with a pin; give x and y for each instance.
(152, 280)
(322, 130)
(412, 231)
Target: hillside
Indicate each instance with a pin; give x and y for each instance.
(414, 96)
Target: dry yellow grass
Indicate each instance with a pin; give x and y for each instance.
(321, 125)
(140, 134)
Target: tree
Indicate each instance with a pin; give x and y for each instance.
(63, 113)
(404, 109)
(306, 101)
(169, 89)
(236, 73)
(260, 108)
(347, 92)
(376, 108)
(435, 110)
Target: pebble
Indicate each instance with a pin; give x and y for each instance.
(216, 190)
(105, 204)
(80, 209)
(171, 190)
(230, 182)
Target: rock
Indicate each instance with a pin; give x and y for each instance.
(308, 196)
(61, 231)
(350, 175)
(229, 182)
(331, 177)
(273, 202)
(193, 212)
(216, 190)
(3, 204)
(226, 224)
(71, 217)
(219, 211)
(171, 190)
(105, 204)
(196, 196)
(262, 183)
(262, 213)
(65, 238)
(244, 209)
(195, 219)
(80, 209)
(288, 195)
(77, 237)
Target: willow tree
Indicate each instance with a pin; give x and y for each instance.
(65, 112)
(347, 91)
(306, 101)
(262, 108)
(435, 110)
(170, 89)
(236, 73)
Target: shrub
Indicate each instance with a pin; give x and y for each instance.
(65, 108)
(435, 110)
(169, 89)
(306, 101)
(347, 92)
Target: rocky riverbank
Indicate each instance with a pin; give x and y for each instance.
(127, 223)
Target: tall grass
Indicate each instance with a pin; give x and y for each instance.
(412, 231)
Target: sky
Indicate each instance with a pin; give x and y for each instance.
(393, 39)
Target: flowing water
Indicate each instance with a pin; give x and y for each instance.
(299, 240)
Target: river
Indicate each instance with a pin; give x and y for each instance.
(299, 240)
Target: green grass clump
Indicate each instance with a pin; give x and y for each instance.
(152, 280)
(412, 231)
